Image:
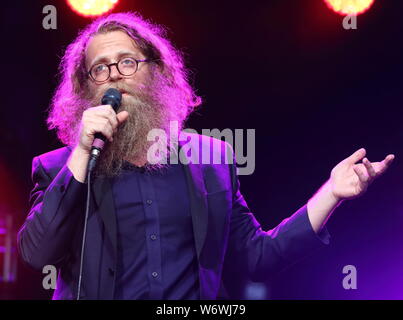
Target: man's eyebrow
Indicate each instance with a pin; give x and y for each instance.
(120, 54)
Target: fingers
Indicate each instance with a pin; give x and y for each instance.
(385, 163)
(103, 126)
(122, 116)
(107, 112)
(356, 156)
(389, 159)
(362, 176)
(370, 169)
(101, 119)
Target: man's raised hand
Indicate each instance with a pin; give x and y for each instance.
(350, 179)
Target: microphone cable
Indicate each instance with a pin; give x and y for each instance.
(87, 209)
(111, 97)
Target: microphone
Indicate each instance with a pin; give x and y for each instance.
(112, 97)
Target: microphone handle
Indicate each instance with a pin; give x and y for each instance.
(99, 141)
(99, 138)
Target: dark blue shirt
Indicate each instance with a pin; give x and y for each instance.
(156, 251)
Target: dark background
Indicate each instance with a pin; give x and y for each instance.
(313, 91)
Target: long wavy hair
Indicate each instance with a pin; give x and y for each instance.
(69, 100)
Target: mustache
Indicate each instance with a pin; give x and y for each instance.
(130, 96)
(137, 92)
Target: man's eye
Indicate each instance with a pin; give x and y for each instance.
(128, 62)
(99, 68)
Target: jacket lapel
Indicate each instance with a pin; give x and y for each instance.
(198, 202)
(103, 197)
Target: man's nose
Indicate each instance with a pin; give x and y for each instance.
(115, 75)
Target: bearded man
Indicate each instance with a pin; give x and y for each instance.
(154, 230)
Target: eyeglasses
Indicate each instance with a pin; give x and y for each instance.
(126, 67)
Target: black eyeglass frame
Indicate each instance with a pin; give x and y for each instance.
(117, 68)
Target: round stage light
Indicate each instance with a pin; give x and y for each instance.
(92, 8)
(349, 7)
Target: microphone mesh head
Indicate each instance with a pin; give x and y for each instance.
(113, 97)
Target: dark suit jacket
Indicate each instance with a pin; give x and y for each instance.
(225, 231)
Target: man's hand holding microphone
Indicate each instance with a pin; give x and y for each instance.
(98, 124)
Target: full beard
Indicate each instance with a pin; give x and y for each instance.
(149, 108)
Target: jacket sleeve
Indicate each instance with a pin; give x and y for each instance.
(57, 206)
(268, 252)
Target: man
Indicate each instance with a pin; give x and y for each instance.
(155, 230)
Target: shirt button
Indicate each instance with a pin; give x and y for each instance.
(153, 237)
(149, 201)
(155, 274)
